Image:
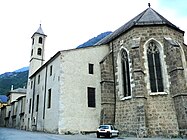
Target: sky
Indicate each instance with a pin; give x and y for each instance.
(69, 23)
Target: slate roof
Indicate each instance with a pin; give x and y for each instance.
(39, 31)
(18, 90)
(147, 17)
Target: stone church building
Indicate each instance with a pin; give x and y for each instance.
(135, 78)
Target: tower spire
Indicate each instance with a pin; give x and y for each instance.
(37, 57)
(149, 4)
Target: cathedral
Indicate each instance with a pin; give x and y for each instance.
(135, 78)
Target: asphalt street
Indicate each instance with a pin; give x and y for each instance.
(16, 134)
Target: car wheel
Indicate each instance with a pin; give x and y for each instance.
(108, 135)
(98, 136)
(117, 134)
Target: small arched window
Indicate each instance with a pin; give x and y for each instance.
(154, 66)
(125, 74)
(40, 40)
(39, 51)
(38, 79)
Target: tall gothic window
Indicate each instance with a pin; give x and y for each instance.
(155, 70)
(125, 74)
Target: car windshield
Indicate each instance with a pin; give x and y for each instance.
(104, 127)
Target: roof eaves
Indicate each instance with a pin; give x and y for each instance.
(19, 98)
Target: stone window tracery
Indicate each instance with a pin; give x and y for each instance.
(154, 66)
(126, 86)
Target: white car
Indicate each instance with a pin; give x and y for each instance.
(107, 131)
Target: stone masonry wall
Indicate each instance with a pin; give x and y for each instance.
(161, 116)
(130, 117)
(107, 91)
(126, 110)
(181, 107)
(178, 90)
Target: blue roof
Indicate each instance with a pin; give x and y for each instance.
(3, 98)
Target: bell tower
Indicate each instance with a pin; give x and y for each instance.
(37, 57)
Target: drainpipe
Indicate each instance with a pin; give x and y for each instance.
(114, 82)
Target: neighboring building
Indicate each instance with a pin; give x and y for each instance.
(9, 116)
(13, 114)
(20, 112)
(2, 116)
(6, 111)
(13, 94)
(3, 100)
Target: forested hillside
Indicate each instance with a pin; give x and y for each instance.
(17, 79)
(94, 40)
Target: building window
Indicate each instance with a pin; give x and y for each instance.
(31, 52)
(91, 68)
(49, 99)
(31, 84)
(39, 52)
(154, 66)
(91, 97)
(38, 79)
(9, 114)
(22, 105)
(32, 41)
(40, 40)
(126, 86)
(30, 105)
(51, 70)
(37, 103)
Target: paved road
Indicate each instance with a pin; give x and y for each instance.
(15, 134)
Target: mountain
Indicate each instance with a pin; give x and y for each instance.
(17, 79)
(22, 69)
(94, 40)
